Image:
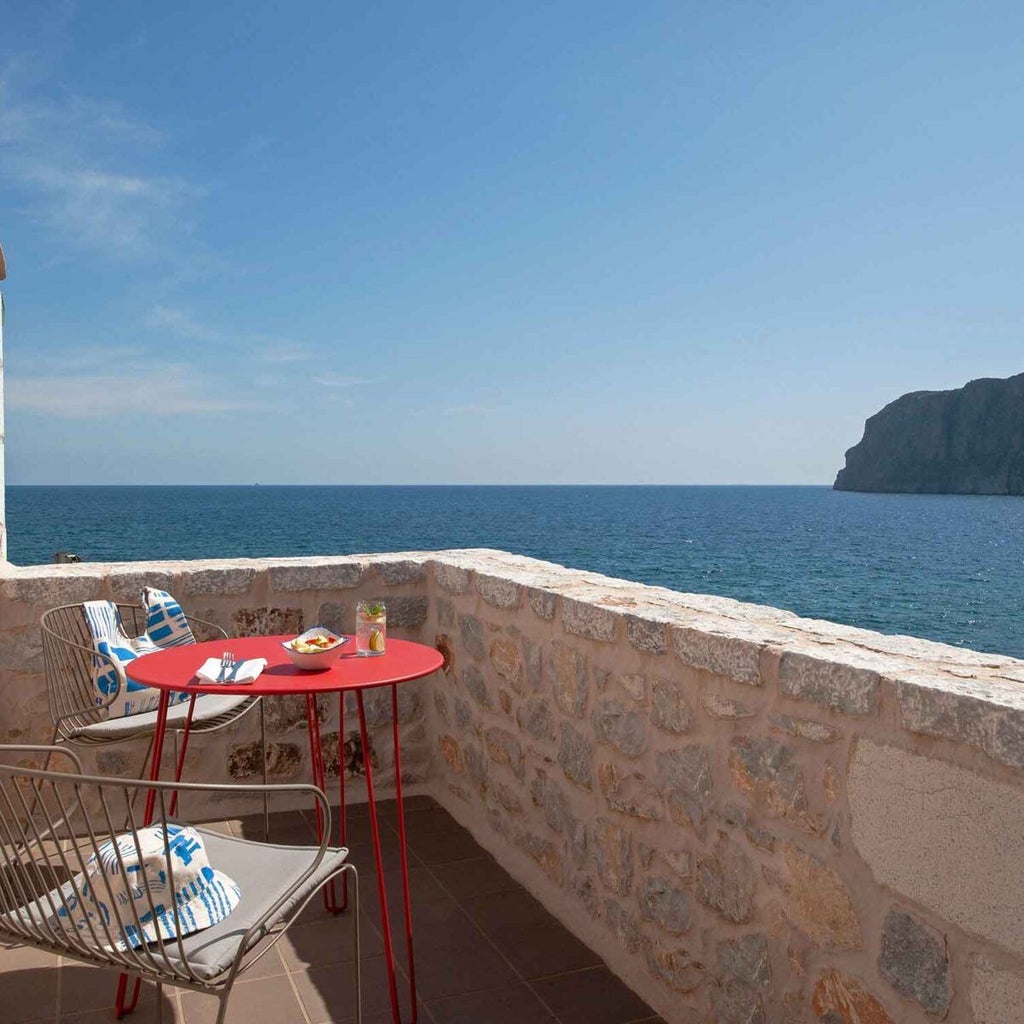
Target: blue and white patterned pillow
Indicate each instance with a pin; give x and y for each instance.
(109, 639)
(166, 625)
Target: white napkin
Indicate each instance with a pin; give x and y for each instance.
(241, 672)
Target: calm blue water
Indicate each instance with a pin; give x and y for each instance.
(946, 567)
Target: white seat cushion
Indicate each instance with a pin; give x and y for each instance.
(208, 707)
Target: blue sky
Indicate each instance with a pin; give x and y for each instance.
(498, 243)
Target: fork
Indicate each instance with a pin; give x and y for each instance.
(227, 663)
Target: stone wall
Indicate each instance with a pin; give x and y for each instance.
(753, 817)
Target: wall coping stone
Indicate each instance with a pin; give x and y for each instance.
(941, 690)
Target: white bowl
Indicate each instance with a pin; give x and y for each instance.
(321, 659)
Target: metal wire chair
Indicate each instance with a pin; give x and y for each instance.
(71, 661)
(52, 823)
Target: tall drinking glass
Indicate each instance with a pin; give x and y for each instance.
(371, 628)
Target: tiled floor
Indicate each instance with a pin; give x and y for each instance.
(486, 951)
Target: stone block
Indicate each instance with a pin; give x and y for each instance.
(473, 636)
(623, 926)
(612, 846)
(56, 587)
(282, 714)
(684, 777)
(996, 729)
(451, 578)
(645, 635)
(292, 578)
(126, 584)
(841, 999)
(395, 574)
(996, 996)
(534, 717)
(745, 960)
(674, 966)
(820, 900)
(765, 771)
(503, 748)
(670, 710)
(805, 729)
(21, 650)
(533, 666)
(664, 904)
(569, 678)
(737, 1004)
(543, 852)
(229, 580)
(245, 761)
(629, 793)
(718, 706)
(407, 612)
(508, 798)
(623, 729)
(473, 680)
(588, 620)
(507, 660)
(730, 656)
(335, 615)
(452, 754)
(266, 621)
(576, 757)
(726, 881)
(498, 592)
(946, 837)
(543, 603)
(914, 961)
(848, 689)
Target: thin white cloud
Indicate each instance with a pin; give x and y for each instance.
(159, 391)
(80, 165)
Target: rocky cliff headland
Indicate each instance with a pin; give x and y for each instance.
(966, 441)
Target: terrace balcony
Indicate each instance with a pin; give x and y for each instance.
(628, 804)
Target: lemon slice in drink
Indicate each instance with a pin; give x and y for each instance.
(377, 641)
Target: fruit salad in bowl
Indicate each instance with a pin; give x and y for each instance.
(316, 649)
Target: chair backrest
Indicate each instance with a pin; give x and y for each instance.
(52, 824)
(70, 661)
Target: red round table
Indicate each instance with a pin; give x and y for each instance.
(174, 670)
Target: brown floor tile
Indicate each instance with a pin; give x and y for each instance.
(539, 950)
(593, 996)
(511, 1004)
(429, 821)
(446, 971)
(475, 876)
(92, 988)
(502, 911)
(444, 847)
(267, 966)
(145, 1013)
(23, 958)
(29, 993)
(328, 940)
(328, 996)
(265, 999)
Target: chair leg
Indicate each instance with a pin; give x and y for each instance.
(266, 795)
(357, 954)
(222, 1005)
(159, 1002)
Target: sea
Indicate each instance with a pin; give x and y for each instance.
(945, 567)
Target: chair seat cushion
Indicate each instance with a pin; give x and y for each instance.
(209, 706)
(262, 871)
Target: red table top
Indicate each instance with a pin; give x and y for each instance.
(175, 668)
